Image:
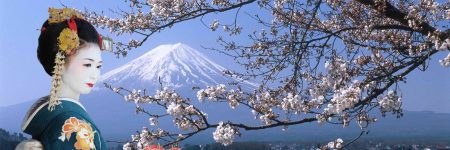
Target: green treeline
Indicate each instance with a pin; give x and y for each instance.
(8, 141)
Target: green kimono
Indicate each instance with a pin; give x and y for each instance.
(68, 126)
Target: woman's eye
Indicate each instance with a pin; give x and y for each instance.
(99, 66)
(87, 65)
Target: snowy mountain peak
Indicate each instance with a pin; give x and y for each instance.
(167, 50)
(178, 65)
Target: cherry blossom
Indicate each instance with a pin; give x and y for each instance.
(224, 134)
(446, 61)
(337, 144)
(389, 103)
(326, 61)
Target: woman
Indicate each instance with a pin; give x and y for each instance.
(70, 51)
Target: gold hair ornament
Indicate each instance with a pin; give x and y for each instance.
(68, 40)
(56, 80)
(106, 43)
(60, 15)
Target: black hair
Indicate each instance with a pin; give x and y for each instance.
(48, 40)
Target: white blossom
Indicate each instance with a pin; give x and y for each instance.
(166, 94)
(224, 134)
(344, 98)
(336, 144)
(328, 65)
(128, 146)
(190, 109)
(220, 2)
(201, 95)
(153, 121)
(291, 102)
(254, 112)
(183, 123)
(211, 92)
(447, 14)
(180, 136)
(265, 119)
(166, 8)
(145, 138)
(135, 137)
(234, 96)
(446, 61)
(390, 102)
(337, 76)
(135, 96)
(214, 25)
(345, 117)
(116, 90)
(175, 109)
(442, 46)
(322, 118)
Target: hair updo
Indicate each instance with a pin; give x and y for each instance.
(48, 40)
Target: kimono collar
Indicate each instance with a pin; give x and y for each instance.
(40, 108)
(74, 101)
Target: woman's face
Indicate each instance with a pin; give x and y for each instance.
(83, 69)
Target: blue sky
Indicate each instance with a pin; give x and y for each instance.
(22, 78)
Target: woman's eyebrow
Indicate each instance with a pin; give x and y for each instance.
(89, 59)
(92, 60)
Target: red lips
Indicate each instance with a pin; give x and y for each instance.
(90, 84)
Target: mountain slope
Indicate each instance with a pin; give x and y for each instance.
(178, 66)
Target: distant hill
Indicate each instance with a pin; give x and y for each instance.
(182, 67)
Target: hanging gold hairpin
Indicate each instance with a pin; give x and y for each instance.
(68, 40)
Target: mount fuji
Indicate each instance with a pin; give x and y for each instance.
(179, 67)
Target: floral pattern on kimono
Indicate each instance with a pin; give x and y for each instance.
(68, 126)
(83, 130)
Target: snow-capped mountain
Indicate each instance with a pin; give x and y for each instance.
(178, 66)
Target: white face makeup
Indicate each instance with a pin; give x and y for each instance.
(82, 71)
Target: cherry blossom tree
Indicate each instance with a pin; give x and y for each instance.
(335, 60)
